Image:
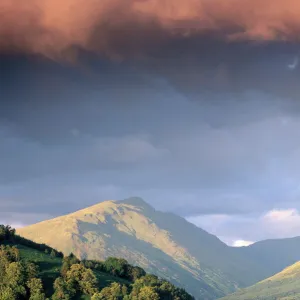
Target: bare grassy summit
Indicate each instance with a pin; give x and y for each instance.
(161, 243)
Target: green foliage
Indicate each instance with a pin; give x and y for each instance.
(68, 261)
(147, 293)
(117, 267)
(76, 281)
(135, 273)
(164, 289)
(53, 253)
(27, 270)
(41, 247)
(6, 233)
(48, 268)
(7, 293)
(115, 291)
(82, 279)
(18, 278)
(36, 289)
(63, 290)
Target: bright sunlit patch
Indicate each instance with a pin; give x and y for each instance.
(241, 243)
(280, 214)
(13, 225)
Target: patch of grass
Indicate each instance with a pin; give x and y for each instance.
(49, 267)
(105, 279)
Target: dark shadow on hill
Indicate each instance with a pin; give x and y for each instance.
(208, 249)
(163, 265)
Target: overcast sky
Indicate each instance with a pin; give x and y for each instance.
(203, 126)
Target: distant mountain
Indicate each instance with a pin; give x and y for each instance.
(282, 286)
(275, 254)
(162, 243)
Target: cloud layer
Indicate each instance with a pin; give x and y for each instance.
(125, 27)
(243, 230)
(190, 104)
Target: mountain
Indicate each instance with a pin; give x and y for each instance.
(29, 270)
(161, 243)
(275, 254)
(285, 285)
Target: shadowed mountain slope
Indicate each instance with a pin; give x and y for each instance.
(161, 243)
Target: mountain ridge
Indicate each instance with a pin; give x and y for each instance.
(161, 243)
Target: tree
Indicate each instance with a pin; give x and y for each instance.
(2, 232)
(7, 233)
(77, 280)
(147, 280)
(13, 278)
(68, 261)
(36, 289)
(63, 290)
(7, 293)
(115, 291)
(135, 273)
(32, 270)
(89, 282)
(53, 253)
(18, 279)
(148, 293)
(116, 266)
(82, 277)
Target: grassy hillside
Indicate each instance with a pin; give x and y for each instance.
(49, 268)
(29, 270)
(282, 286)
(163, 244)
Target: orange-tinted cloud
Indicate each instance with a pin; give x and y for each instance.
(134, 27)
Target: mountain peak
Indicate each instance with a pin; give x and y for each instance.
(161, 243)
(136, 201)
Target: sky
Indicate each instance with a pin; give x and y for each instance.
(192, 105)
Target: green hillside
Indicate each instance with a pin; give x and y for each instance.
(29, 270)
(282, 286)
(50, 267)
(163, 244)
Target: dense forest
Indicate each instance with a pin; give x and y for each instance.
(33, 271)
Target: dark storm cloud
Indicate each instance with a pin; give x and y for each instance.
(163, 147)
(118, 28)
(196, 44)
(140, 130)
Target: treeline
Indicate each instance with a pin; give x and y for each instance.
(20, 279)
(117, 267)
(79, 277)
(148, 287)
(8, 235)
